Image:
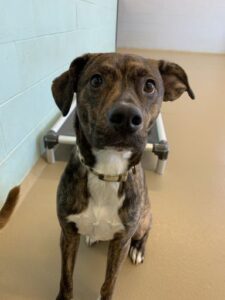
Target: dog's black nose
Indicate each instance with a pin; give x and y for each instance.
(125, 117)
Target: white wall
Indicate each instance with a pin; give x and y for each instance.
(187, 25)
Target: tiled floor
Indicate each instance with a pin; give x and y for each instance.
(185, 257)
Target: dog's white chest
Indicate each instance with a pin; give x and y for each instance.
(100, 220)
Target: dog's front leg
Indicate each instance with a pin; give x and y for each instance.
(69, 244)
(118, 250)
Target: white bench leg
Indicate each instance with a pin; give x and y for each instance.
(50, 155)
(161, 166)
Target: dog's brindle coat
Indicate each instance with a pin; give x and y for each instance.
(118, 99)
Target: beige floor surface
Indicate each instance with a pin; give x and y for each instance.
(185, 257)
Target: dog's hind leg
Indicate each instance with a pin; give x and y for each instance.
(138, 242)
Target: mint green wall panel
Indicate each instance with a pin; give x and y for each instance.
(16, 20)
(27, 109)
(54, 16)
(18, 163)
(38, 40)
(9, 72)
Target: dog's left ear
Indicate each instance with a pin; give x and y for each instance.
(175, 81)
(64, 86)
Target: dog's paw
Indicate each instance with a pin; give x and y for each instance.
(64, 296)
(136, 255)
(89, 241)
(59, 297)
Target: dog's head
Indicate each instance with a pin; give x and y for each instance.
(118, 96)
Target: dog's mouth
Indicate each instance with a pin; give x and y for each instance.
(118, 140)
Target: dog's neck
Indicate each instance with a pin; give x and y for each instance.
(111, 165)
(111, 161)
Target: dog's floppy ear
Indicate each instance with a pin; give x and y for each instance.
(64, 86)
(175, 81)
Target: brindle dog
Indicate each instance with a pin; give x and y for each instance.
(102, 193)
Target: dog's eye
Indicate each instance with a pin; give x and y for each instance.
(149, 86)
(96, 81)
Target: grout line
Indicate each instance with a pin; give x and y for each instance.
(88, 1)
(76, 8)
(32, 86)
(38, 37)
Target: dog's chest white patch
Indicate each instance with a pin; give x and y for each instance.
(100, 220)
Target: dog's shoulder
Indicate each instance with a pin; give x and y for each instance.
(72, 190)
